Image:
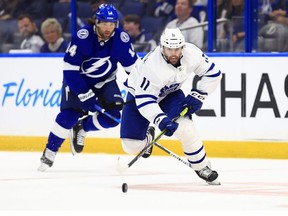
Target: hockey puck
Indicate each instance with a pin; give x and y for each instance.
(124, 187)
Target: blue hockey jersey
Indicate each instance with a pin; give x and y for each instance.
(91, 63)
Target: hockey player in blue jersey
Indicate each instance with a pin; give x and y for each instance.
(155, 89)
(89, 81)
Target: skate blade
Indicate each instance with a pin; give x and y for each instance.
(215, 182)
(73, 151)
(43, 167)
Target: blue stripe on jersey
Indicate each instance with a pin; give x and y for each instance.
(159, 115)
(146, 103)
(146, 96)
(126, 84)
(211, 67)
(214, 75)
(199, 161)
(194, 153)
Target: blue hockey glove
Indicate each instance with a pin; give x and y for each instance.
(88, 101)
(169, 125)
(194, 101)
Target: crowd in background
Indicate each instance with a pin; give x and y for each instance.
(45, 26)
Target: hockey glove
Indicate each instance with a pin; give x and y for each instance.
(194, 101)
(88, 101)
(169, 125)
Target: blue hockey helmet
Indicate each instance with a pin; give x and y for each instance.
(107, 13)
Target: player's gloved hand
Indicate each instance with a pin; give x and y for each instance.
(194, 101)
(169, 125)
(88, 101)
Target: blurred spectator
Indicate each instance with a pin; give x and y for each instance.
(222, 9)
(273, 35)
(279, 13)
(164, 8)
(65, 15)
(7, 8)
(142, 41)
(37, 9)
(221, 30)
(201, 2)
(198, 11)
(186, 23)
(52, 33)
(94, 4)
(28, 30)
(237, 29)
(7, 25)
(264, 11)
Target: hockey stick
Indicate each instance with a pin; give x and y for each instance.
(123, 168)
(173, 154)
(215, 182)
(102, 110)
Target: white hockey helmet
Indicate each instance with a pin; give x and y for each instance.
(172, 38)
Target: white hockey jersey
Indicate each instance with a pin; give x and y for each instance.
(154, 78)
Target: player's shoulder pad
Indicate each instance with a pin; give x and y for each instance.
(84, 37)
(153, 54)
(85, 32)
(191, 48)
(122, 35)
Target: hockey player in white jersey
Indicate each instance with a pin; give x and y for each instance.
(155, 98)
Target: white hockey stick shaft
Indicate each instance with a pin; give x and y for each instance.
(215, 182)
(173, 154)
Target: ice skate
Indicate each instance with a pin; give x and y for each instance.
(208, 175)
(77, 138)
(47, 160)
(148, 152)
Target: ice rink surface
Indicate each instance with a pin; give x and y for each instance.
(89, 184)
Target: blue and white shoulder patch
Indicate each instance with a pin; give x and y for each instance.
(124, 37)
(82, 33)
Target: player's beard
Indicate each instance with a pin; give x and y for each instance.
(174, 59)
(104, 35)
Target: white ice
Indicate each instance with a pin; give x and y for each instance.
(89, 183)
